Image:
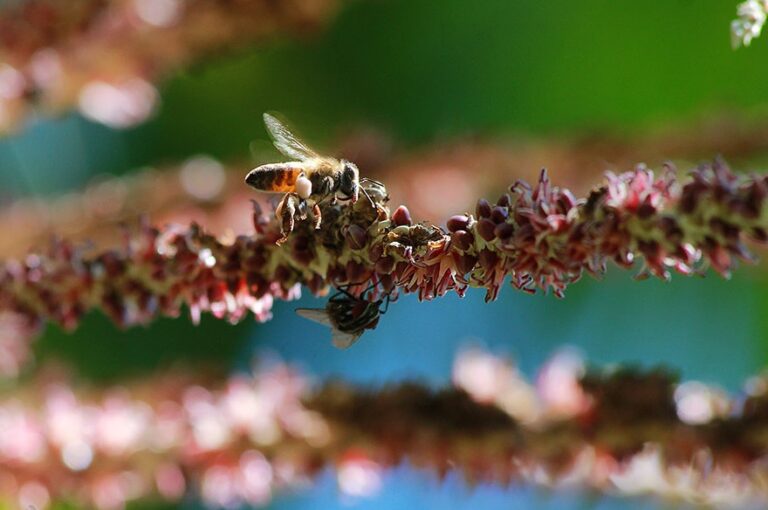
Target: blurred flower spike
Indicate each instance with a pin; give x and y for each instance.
(243, 440)
(106, 57)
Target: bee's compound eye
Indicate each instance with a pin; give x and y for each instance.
(349, 180)
(303, 187)
(350, 173)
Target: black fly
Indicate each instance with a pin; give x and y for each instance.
(347, 315)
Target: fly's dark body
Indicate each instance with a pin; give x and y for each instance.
(348, 316)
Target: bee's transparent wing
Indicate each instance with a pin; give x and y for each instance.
(318, 315)
(342, 340)
(286, 142)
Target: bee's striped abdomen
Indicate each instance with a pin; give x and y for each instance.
(276, 177)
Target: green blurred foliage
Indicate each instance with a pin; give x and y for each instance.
(426, 70)
(101, 351)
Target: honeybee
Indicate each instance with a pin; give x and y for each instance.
(309, 177)
(348, 316)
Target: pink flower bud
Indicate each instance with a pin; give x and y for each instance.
(402, 216)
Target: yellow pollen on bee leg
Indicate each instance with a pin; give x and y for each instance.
(303, 187)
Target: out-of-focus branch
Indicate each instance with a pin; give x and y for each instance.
(625, 431)
(201, 190)
(538, 237)
(104, 56)
(16, 335)
(434, 181)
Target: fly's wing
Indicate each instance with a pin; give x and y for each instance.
(339, 338)
(342, 340)
(276, 177)
(319, 315)
(286, 142)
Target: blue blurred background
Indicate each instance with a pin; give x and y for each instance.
(431, 71)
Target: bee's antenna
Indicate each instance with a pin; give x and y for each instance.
(370, 200)
(374, 206)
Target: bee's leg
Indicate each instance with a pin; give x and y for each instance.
(330, 197)
(327, 189)
(327, 186)
(285, 213)
(317, 216)
(302, 212)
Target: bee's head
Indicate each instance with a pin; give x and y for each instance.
(350, 181)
